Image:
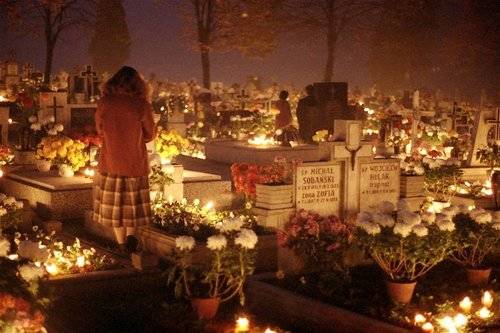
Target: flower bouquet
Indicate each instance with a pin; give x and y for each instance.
(404, 244)
(63, 151)
(45, 127)
(490, 155)
(441, 177)
(169, 144)
(478, 234)
(6, 155)
(220, 278)
(319, 242)
(10, 212)
(20, 302)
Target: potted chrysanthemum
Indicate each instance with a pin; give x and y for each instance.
(440, 178)
(404, 244)
(218, 279)
(478, 234)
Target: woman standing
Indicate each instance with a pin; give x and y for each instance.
(284, 118)
(124, 119)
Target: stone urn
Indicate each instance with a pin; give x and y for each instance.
(66, 171)
(206, 308)
(400, 292)
(478, 276)
(43, 165)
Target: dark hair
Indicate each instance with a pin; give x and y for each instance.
(283, 94)
(127, 81)
(310, 90)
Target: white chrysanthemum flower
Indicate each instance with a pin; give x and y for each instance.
(52, 132)
(59, 127)
(3, 211)
(496, 226)
(30, 272)
(230, 224)
(420, 230)
(36, 126)
(9, 201)
(184, 243)
(383, 220)
(31, 250)
(419, 170)
(19, 205)
(428, 217)
(50, 119)
(476, 211)
(409, 218)
(369, 227)
(217, 242)
(386, 207)
(445, 225)
(483, 218)
(246, 239)
(402, 229)
(403, 205)
(4, 247)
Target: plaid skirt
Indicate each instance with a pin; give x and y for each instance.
(121, 201)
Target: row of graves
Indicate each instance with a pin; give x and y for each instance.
(342, 227)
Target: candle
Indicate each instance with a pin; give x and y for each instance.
(460, 320)
(242, 325)
(466, 304)
(268, 330)
(419, 319)
(80, 261)
(1, 173)
(484, 313)
(427, 328)
(487, 299)
(51, 269)
(448, 324)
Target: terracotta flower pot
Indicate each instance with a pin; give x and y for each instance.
(43, 165)
(206, 308)
(478, 276)
(400, 292)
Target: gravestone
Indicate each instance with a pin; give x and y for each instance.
(318, 187)
(379, 181)
(54, 104)
(487, 129)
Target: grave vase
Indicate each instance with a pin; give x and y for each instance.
(206, 308)
(66, 171)
(400, 292)
(43, 165)
(478, 276)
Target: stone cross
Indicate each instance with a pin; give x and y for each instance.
(89, 75)
(454, 116)
(496, 125)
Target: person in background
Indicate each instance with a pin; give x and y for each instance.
(307, 111)
(124, 119)
(284, 118)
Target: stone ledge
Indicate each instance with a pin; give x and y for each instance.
(317, 317)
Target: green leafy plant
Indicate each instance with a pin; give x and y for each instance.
(230, 262)
(478, 234)
(440, 179)
(404, 244)
(489, 155)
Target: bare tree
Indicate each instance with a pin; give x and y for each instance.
(329, 20)
(250, 27)
(49, 18)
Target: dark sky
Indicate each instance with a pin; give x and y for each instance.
(158, 46)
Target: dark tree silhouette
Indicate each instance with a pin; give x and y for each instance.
(110, 44)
